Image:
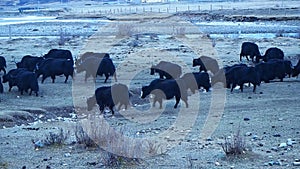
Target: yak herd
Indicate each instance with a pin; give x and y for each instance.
(170, 83)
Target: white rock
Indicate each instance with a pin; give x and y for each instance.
(274, 148)
(209, 139)
(296, 163)
(248, 134)
(67, 155)
(217, 163)
(255, 137)
(282, 145)
(290, 142)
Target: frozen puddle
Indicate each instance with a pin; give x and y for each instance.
(221, 29)
(37, 19)
(253, 35)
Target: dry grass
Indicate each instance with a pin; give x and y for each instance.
(52, 139)
(113, 160)
(83, 138)
(234, 145)
(56, 138)
(125, 30)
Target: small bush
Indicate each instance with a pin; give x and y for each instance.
(180, 31)
(63, 38)
(235, 145)
(56, 138)
(83, 138)
(52, 139)
(113, 160)
(125, 30)
(154, 148)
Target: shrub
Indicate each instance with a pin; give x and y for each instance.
(83, 138)
(56, 138)
(235, 145)
(52, 139)
(125, 30)
(113, 160)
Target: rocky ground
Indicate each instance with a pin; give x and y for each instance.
(267, 120)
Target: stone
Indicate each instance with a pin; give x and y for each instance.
(296, 163)
(260, 144)
(290, 142)
(255, 137)
(217, 164)
(274, 149)
(67, 155)
(248, 134)
(271, 163)
(282, 145)
(246, 119)
(209, 139)
(277, 163)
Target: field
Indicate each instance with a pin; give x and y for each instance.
(144, 136)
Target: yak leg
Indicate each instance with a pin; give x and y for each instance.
(232, 87)
(101, 108)
(53, 78)
(185, 101)
(241, 87)
(154, 101)
(106, 77)
(177, 101)
(86, 76)
(111, 107)
(67, 77)
(115, 76)
(160, 103)
(254, 88)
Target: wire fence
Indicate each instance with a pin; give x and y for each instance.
(158, 9)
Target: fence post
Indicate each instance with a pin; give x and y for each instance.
(210, 7)
(188, 8)
(198, 7)
(176, 9)
(9, 30)
(167, 10)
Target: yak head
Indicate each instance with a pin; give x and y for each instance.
(152, 70)
(91, 102)
(145, 91)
